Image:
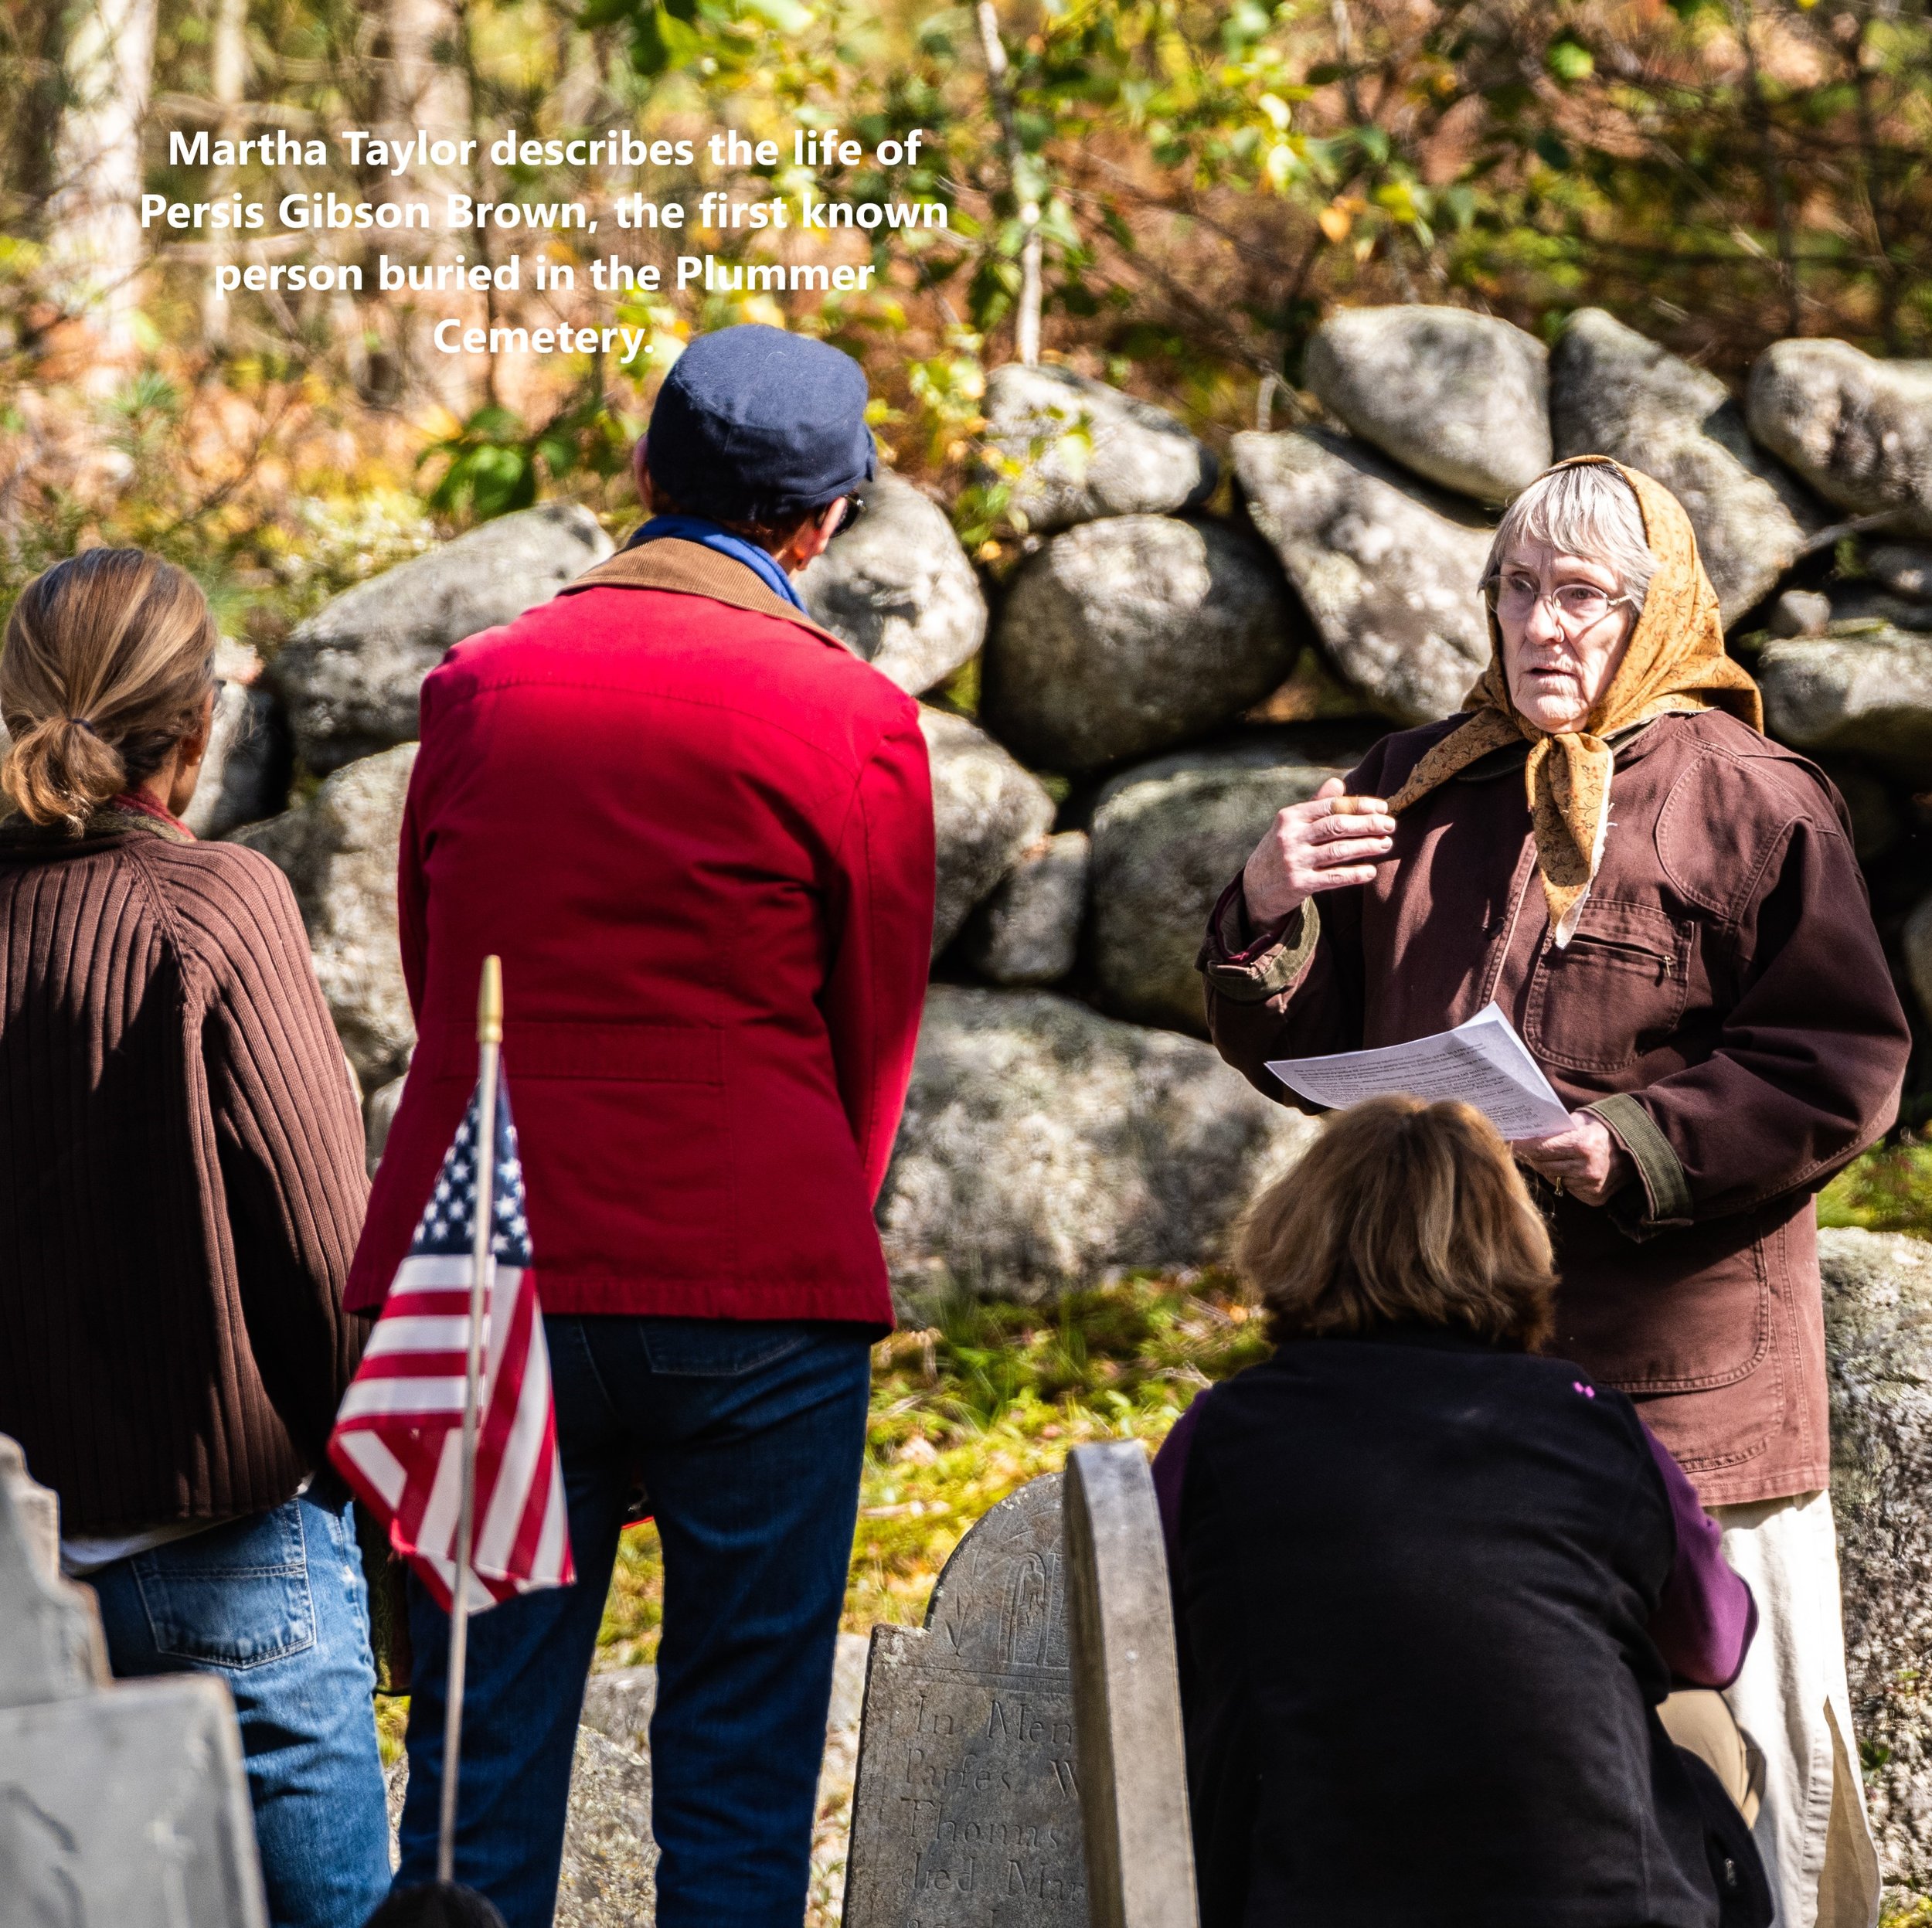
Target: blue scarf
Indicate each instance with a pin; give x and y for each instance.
(700, 528)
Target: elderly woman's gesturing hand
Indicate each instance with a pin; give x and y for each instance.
(1332, 840)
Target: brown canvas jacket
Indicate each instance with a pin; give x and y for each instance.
(1724, 1007)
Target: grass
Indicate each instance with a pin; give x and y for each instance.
(966, 1409)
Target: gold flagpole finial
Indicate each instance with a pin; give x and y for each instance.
(489, 1002)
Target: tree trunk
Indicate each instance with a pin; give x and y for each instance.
(228, 85)
(1026, 321)
(93, 222)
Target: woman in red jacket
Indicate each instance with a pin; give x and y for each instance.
(699, 832)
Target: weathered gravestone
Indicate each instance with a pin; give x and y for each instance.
(1132, 1761)
(120, 1806)
(967, 1813)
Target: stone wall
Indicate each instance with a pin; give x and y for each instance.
(1174, 653)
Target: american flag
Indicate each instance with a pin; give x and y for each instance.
(399, 1437)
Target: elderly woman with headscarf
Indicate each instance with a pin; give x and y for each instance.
(1667, 906)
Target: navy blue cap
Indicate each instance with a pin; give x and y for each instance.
(754, 424)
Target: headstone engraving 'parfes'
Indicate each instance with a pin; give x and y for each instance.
(120, 1806)
(967, 1810)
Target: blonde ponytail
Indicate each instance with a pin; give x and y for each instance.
(107, 660)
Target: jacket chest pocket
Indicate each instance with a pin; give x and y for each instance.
(1618, 990)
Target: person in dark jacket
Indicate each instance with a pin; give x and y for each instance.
(1667, 906)
(181, 1189)
(1431, 1588)
(699, 832)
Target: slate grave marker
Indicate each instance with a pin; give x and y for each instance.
(967, 1812)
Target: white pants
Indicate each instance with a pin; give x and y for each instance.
(1792, 1702)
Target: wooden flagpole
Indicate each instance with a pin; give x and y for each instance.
(489, 1038)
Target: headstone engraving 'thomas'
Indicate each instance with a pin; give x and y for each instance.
(120, 1806)
(967, 1811)
(1127, 1693)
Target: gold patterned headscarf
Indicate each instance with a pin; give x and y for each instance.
(1676, 660)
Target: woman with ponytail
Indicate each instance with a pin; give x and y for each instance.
(182, 1188)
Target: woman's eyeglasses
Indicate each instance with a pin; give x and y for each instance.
(1577, 606)
(854, 507)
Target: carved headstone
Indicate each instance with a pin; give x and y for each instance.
(1126, 1694)
(967, 1811)
(50, 1641)
(120, 1806)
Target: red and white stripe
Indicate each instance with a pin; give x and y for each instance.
(398, 1437)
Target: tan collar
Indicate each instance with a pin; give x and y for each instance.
(114, 819)
(690, 569)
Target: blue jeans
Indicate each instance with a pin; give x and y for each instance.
(749, 1435)
(275, 1605)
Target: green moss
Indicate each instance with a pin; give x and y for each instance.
(1887, 1190)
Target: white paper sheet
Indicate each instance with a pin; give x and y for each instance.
(1483, 1062)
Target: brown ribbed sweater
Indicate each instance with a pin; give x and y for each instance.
(181, 1179)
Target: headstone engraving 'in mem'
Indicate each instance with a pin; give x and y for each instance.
(1126, 1694)
(120, 1806)
(966, 1813)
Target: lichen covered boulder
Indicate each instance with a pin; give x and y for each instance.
(1069, 449)
(1458, 397)
(1027, 932)
(1878, 1328)
(898, 589)
(1168, 836)
(1123, 636)
(338, 851)
(1858, 430)
(1613, 393)
(986, 810)
(351, 675)
(1388, 569)
(1043, 1143)
(1868, 695)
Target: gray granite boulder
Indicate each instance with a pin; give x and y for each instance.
(1123, 636)
(898, 588)
(1802, 612)
(338, 851)
(379, 1113)
(608, 1878)
(1878, 1329)
(1903, 568)
(1069, 449)
(1460, 398)
(1027, 932)
(245, 774)
(1168, 836)
(986, 810)
(1043, 1143)
(1867, 694)
(1387, 568)
(1859, 430)
(351, 674)
(1613, 393)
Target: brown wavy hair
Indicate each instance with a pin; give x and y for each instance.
(1402, 1213)
(108, 658)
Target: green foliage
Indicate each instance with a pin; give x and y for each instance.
(1888, 1189)
(1200, 180)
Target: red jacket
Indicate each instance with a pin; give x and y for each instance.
(699, 835)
